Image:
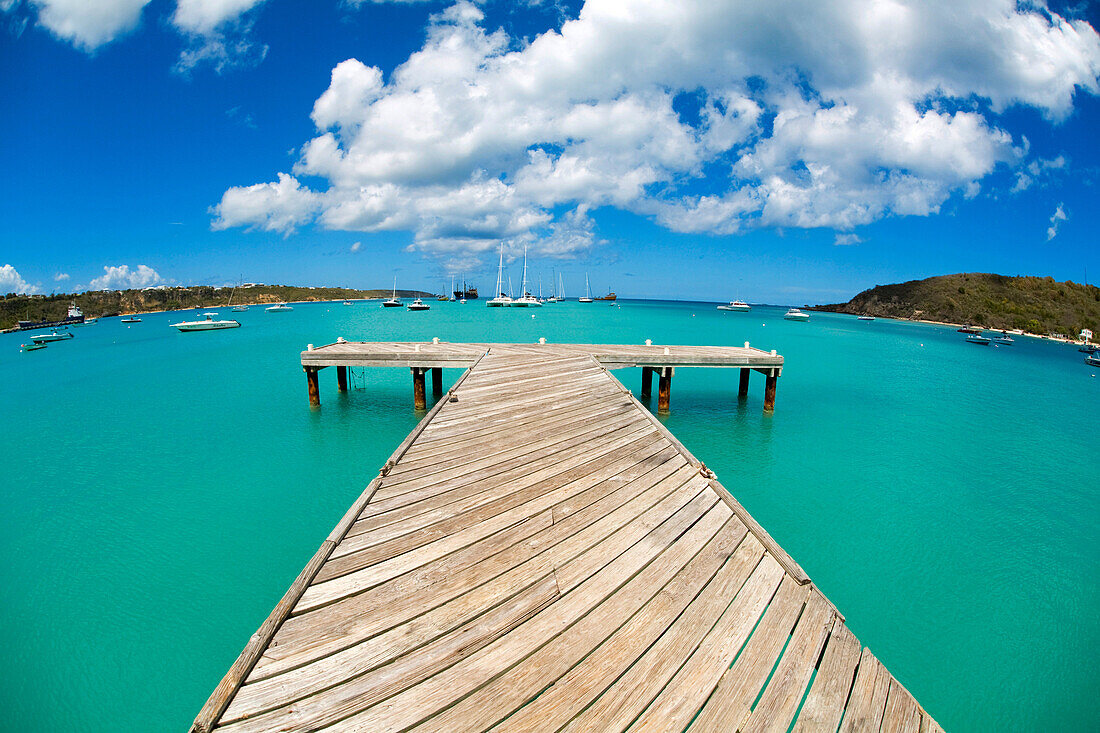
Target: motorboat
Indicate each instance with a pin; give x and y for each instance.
(736, 305)
(45, 338)
(1093, 360)
(1088, 349)
(239, 308)
(394, 301)
(976, 338)
(347, 302)
(130, 319)
(418, 305)
(796, 315)
(206, 324)
(526, 300)
(32, 346)
(1002, 338)
(866, 318)
(278, 308)
(500, 300)
(969, 329)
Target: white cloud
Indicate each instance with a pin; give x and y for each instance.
(88, 24)
(122, 277)
(1037, 170)
(356, 246)
(61, 276)
(705, 116)
(276, 207)
(11, 282)
(1056, 220)
(846, 239)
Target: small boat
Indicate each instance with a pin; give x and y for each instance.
(1089, 349)
(207, 324)
(239, 308)
(394, 301)
(866, 318)
(610, 296)
(969, 329)
(1016, 332)
(45, 338)
(978, 339)
(33, 346)
(500, 300)
(587, 294)
(796, 315)
(1093, 360)
(736, 305)
(131, 319)
(418, 305)
(278, 308)
(347, 302)
(1002, 338)
(526, 300)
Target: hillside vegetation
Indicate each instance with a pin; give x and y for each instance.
(15, 308)
(1035, 304)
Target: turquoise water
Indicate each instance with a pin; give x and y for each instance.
(161, 491)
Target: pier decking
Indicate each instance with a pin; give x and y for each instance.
(540, 553)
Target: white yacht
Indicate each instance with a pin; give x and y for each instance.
(418, 305)
(45, 338)
(278, 308)
(500, 300)
(394, 301)
(587, 291)
(735, 305)
(207, 324)
(526, 300)
(796, 315)
(866, 318)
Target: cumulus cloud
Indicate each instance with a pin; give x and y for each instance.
(122, 277)
(12, 282)
(217, 32)
(61, 276)
(846, 239)
(1056, 220)
(1037, 170)
(356, 246)
(715, 117)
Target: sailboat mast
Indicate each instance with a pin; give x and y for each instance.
(500, 272)
(523, 287)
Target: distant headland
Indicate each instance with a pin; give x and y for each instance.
(105, 303)
(1039, 305)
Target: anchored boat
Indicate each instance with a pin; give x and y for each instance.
(736, 305)
(978, 339)
(394, 301)
(74, 317)
(796, 315)
(278, 308)
(45, 338)
(207, 324)
(419, 305)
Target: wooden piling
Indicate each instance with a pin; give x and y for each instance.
(342, 378)
(419, 401)
(664, 390)
(743, 386)
(437, 382)
(647, 382)
(314, 391)
(769, 390)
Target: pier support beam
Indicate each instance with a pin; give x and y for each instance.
(769, 390)
(437, 382)
(419, 401)
(314, 391)
(342, 378)
(664, 390)
(743, 385)
(647, 382)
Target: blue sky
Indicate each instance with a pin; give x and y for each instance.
(671, 150)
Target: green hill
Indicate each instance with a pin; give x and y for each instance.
(15, 308)
(1035, 304)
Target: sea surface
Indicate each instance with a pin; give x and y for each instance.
(160, 491)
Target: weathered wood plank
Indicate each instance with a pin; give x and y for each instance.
(825, 704)
(868, 699)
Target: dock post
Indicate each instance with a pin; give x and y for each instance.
(647, 382)
(342, 378)
(437, 382)
(769, 390)
(664, 390)
(419, 402)
(311, 380)
(743, 386)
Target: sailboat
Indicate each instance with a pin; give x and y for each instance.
(238, 308)
(587, 293)
(443, 295)
(500, 300)
(394, 301)
(526, 300)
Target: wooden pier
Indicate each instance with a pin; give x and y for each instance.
(540, 553)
